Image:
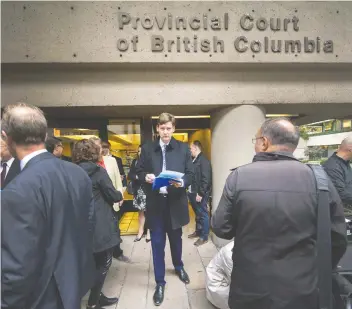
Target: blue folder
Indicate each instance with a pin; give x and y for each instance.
(163, 180)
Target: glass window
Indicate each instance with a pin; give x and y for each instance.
(328, 126)
(124, 137)
(347, 124)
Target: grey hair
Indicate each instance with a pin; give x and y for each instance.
(280, 135)
(25, 124)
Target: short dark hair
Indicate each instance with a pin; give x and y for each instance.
(278, 134)
(51, 142)
(25, 124)
(198, 144)
(85, 150)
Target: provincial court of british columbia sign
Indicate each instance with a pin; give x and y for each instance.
(180, 31)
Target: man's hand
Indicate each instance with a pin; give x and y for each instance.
(175, 184)
(198, 198)
(122, 177)
(149, 178)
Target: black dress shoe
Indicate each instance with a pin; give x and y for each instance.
(158, 297)
(183, 275)
(107, 301)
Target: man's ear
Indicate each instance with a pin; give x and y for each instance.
(266, 143)
(3, 135)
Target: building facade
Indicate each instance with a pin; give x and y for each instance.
(90, 64)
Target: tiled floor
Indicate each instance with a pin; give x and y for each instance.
(129, 223)
(134, 283)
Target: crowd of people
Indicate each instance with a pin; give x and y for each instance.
(60, 227)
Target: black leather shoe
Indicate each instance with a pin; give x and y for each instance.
(106, 301)
(158, 297)
(183, 275)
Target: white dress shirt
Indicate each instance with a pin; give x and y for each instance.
(163, 190)
(8, 163)
(26, 159)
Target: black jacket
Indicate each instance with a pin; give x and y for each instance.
(106, 232)
(340, 173)
(201, 183)
(270, 207)
(47, 259)
(132, 176)
(121, 170)
(178, 159)
(14, 170)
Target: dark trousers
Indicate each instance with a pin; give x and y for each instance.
(202, 215)
(103, 262)
(117, 249)
(160, 227)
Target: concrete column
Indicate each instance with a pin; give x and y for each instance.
(231, 146)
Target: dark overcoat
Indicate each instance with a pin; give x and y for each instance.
(46, 236)
(270, 207)
(178, 159)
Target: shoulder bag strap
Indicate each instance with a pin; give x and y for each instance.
(324, 262)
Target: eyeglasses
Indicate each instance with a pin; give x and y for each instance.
(254, 139)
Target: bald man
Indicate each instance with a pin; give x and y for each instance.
(338, 167)
(270, 207)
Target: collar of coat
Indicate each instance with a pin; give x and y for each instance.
(347, 162)
(273, 156)
(171, 145)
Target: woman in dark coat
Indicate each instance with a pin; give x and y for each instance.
(139, 197)
(106, 234)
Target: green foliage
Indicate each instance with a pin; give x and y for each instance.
(314, 153)
(303, 132)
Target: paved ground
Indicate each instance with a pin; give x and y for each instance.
(134, 283)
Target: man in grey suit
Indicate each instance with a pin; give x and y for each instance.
(46, 221)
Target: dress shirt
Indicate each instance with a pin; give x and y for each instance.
(163, 190)
(26, 159)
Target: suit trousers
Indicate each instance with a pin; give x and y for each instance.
(162, 226)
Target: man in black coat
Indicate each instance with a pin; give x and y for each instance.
(270, 207)
(10, 166)
(46, 221)
(199, 193)
(338, 167)
(167, 208)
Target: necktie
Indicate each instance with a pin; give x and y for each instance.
(3, 173)
(164, 157)
(163, 190)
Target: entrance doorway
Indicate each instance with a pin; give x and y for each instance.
(125, 135)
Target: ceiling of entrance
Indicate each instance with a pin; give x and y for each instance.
(307, 112)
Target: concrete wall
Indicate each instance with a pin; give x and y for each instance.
(302, 145)
(329, 139)
(82, 31)
(79, 87)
